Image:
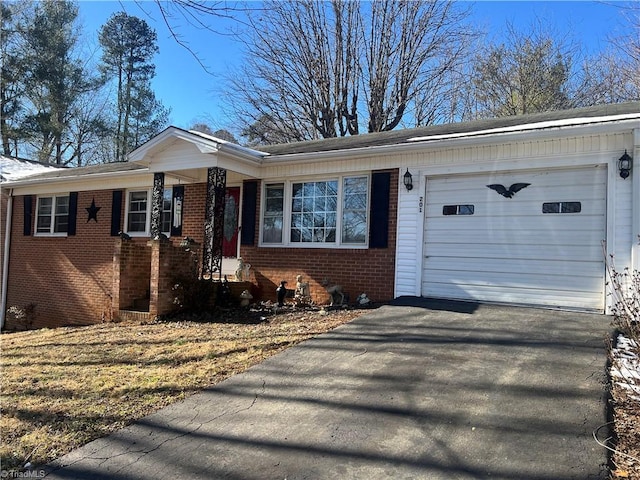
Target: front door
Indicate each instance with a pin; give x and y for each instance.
(231, 216)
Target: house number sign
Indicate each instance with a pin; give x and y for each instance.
(421, 203)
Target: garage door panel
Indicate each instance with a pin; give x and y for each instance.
(515, 224)
(557, 180)
(501, 252)
(483, 195)
(557, 237)
(588, 206)
(513, 279)
(508, 249)
(563, 298)
(437, 265)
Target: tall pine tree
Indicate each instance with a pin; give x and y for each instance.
(128, 46)
(54, 78)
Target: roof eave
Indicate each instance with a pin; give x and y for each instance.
(462, 139)
(72, 178)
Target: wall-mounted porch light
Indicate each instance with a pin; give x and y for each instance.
(625, 163)
(408, 180)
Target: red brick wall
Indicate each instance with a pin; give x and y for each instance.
(193, 209)
(131, 272)
(369, 271)
(69, 279)
(168, 262)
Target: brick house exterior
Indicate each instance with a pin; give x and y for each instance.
(85, 243)
(94, 276)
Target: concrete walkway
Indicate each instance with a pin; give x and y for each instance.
(417, 390)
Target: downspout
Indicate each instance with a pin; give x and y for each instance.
(5, 259)
(635, 202)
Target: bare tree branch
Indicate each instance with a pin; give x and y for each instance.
(325, 69)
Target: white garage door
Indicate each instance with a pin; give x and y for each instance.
(537, 244)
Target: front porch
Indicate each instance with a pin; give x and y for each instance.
(194, 221)
(146, 273)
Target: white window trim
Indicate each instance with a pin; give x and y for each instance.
(167, 233)
(147, 228)
(50, 233)
(286, 221)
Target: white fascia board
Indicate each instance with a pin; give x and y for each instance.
(248, 168)
(234, 148)
(194, 161)
(98, 181)
(471, 139)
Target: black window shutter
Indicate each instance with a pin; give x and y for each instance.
(28, 214)
(249, 205)
(116, 213)
(379, 215)
(73, 213)
(178, 193)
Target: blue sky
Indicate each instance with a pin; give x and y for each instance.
(193, 95)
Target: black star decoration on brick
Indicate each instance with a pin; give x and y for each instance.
(93, 211)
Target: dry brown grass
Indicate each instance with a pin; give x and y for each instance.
(64, 387)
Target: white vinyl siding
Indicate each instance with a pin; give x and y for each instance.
(509, 250)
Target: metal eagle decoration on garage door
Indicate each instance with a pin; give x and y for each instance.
(513, 189)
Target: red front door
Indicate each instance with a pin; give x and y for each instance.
(231, 215)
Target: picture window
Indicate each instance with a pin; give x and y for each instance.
(322, 212)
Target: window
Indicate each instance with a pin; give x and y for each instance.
(166, 217)
(273, 214)
(562, 207)
(354, 213)
(458, 210)
(314, 212)
(139, 212)
(52, 215)
(328, 212)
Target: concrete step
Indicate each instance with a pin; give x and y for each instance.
(133, 316)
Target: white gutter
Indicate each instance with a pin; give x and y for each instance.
(5, 259)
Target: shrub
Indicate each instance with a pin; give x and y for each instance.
(624, 287)
(192, 294)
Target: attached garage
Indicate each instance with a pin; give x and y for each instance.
(532, 237)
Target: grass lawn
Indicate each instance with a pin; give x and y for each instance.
(61, 388)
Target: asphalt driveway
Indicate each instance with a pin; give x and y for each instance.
(418, 390)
